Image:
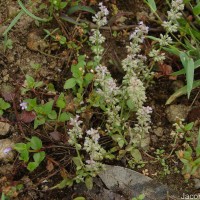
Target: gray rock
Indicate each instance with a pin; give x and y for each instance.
(158, 131)
(197, 183)
(133, 183)
(6, 153)
(174, 111)
(4, 128)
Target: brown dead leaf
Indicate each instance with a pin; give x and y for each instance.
(49, 166)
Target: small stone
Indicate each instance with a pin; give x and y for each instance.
(35, 42)
(158, 131)
(177, 111)
(4, 128)
(197, 183)
(6, 169)
(6, 153)
(2, 29)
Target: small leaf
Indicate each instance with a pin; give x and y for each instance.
(36, 143)
(89, 183)
(70, 83)
(152, 5)
(39, 156)
(32, 166)
(88, 78)
(80, 198)
(65, 117)
(196, 9)
(52, 115)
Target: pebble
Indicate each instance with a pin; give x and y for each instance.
(4, 128)
(173, 111)
(158, 131)
(6, 153)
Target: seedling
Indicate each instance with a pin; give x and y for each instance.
(31, 149)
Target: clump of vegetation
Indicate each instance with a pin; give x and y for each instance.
(92, 115)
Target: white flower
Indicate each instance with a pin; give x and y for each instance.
(94, 134)
(24, 105)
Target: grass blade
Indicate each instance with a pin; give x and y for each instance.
(13, 22)
(31, 14)
(181, 92)
(80, 8)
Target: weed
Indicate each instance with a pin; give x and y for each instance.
(34, 147)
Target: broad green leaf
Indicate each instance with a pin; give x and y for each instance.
(32, 166)
(36, 143)
(39, 156)
(196, 9)
(70, 83)
(80, 8)
(89, 183)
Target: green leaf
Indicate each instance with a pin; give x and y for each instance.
(65, 117)
(130, 104)
(30, 81)
(69, 19)
(172, 50)
(188, 64)
(152, 5)
(31, 14)
(61, 102)
(20, 147)
(80, 198)
(36, 143)
(24, 155)
(39, 156)
(38, 84)
(13, 22)
(4, 105)
(39, 121)
(181, 92)
(80, 8)
(89, 183)
(52, 115)
(32, 166)
(88, 78)
(77, 162)
(196, 9)
(70, 83)
(47, 107)
(136, 155)
(189, 126)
